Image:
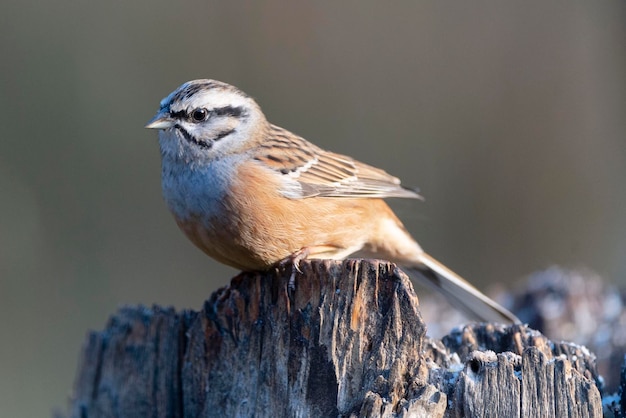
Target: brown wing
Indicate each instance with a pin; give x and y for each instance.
(323, 173)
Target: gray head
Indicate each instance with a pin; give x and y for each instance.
(204, 119)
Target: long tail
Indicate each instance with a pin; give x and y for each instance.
(461, 293)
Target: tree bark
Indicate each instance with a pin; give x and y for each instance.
(348, 340)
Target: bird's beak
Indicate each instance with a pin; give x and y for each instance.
(160, 121)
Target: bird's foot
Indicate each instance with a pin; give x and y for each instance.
(294, 260)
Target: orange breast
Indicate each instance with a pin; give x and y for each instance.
(259, 227)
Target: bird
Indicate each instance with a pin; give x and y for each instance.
(252, 195)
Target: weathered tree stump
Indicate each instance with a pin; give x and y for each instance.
(347, 341)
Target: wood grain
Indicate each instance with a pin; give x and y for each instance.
(348, 341)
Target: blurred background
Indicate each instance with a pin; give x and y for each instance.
(511, 119)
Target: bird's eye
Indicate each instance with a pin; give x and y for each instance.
(199, 114)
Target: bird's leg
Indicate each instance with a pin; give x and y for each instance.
(294, 259)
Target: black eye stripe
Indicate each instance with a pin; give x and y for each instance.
(181, 114)
(228, 111)
(232, 111)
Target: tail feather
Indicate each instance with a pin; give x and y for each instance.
(461, 293)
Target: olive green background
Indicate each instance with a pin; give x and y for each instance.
(510, 117)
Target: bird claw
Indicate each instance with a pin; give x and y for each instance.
(294, 259)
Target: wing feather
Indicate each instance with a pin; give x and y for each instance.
(323, 173)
